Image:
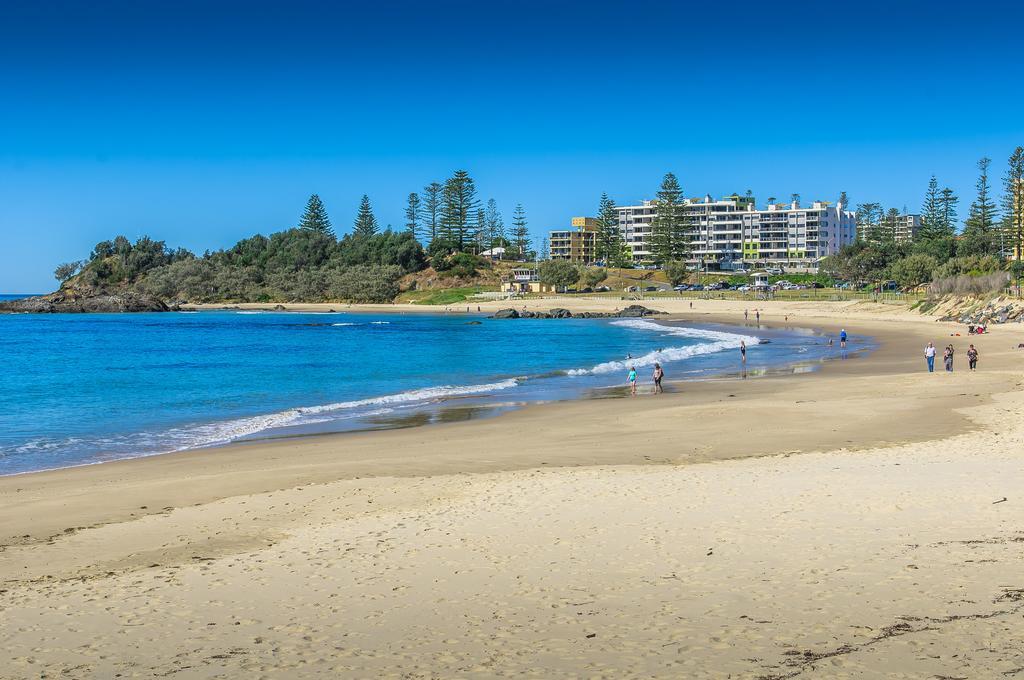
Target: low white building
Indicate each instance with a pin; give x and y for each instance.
(732, 231)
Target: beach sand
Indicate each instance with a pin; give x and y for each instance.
(844, 523)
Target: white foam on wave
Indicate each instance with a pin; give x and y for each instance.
(380, 323)
(223, 432)
(717, 341)
(345, 323)
(231, 430)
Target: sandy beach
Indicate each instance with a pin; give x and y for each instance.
(856, 521)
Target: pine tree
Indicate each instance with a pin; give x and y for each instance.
(412, 215)
(607, 230)
(431, 211)
(843, 203)
(458, 209)
(947, 209)
(795, 199)
(887, 231)
(980, 235)
(931, 213)
(669, 235)
(869, 215)
(545, 250)
(366, 223)
(495, 225)
(315, 217)
(1013, 206)
(482, 237)
(520, 234)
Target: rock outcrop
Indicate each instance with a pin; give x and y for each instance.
(633, 311)
(71, 302)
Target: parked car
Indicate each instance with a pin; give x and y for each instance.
(602, 289)
(745, 288)
(651, 289)
(587, 290)
(696, 286)
(681, 287)
(815, 284)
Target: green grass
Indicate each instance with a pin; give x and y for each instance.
(441, 296)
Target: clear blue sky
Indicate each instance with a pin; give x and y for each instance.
(202, 124)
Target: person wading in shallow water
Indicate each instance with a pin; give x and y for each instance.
(658, 375)
(743, 351)
(632, 380)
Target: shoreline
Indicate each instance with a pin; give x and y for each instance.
(239, 467)
(468, 403)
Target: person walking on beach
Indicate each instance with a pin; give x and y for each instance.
(757, 315)
(658, 375)
(929, 356)
(743, 351)
(947, 358)
(972, 358)
(842, 338)
(632, 380)
(746, 314)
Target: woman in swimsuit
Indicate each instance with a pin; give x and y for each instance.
(658, 375)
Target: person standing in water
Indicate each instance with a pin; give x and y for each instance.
(842, 338)
(743, 351)
(929, 356)
(746, 314)
(632, 380)
(757, 315)
(972, 358)
(658, 375)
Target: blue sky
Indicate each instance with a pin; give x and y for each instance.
(202, 123)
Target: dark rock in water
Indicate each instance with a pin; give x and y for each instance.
(638, 311)
(560, 313)
(473, 323)
(70, 302)
(506, 314)
(527, 314)
(765, 342)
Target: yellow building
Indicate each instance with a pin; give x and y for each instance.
(578, 244)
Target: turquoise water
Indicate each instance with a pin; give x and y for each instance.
(80, 389)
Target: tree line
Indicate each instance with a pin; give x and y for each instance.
(991, 240)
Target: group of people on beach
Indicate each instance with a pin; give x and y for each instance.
(947, 357)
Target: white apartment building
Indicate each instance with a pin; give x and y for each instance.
(732, 231)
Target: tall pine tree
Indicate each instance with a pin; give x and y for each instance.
(947, 208)
(458, 210)
(413, 208)
(520, 234)
(366, 223)
(315, 217)
(669, 233)
(495, 225)
(869, 217)
(931, 214)
(607, 230)
(431, 203)
(1013, 206)
(981, 235)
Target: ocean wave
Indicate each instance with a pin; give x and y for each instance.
(226, 431)
(717, 341)
(345, 323)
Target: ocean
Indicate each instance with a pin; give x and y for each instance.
(83, 389)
